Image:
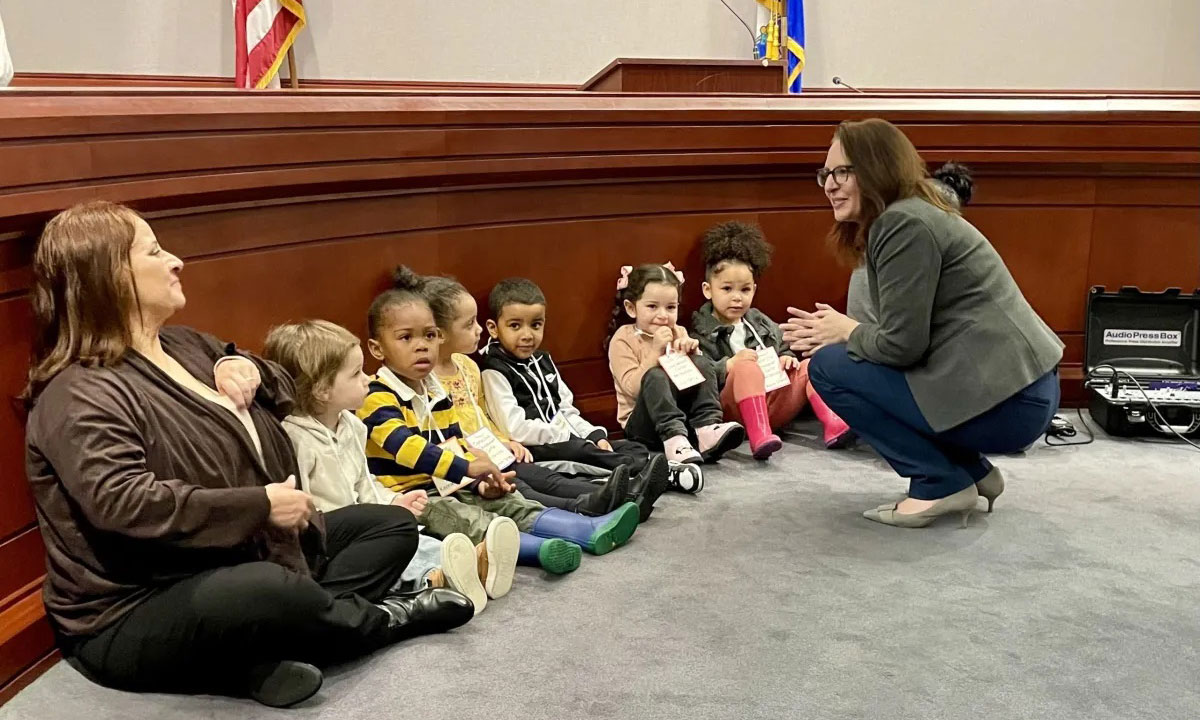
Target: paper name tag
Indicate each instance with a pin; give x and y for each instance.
(445, 487)
(561, 424)
(773, 375)
(682, 371)
(497, 451)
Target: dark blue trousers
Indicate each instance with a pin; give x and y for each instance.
(877, 404)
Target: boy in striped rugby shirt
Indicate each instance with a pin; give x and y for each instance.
(414, 437)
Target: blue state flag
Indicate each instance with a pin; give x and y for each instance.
(795, 44)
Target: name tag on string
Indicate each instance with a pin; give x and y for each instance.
(561, 424)
(497, 451)
(443, 486)
(680, 368)
(773, 375)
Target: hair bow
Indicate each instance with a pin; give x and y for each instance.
(623, 281)
(678, 273)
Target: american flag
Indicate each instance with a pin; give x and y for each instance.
(263, 32)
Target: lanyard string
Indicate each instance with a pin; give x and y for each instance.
(757, 338)
(421, 421)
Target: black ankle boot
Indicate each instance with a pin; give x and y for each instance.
(609, 497)
(433, 610)
(284, 683)
(649, 485)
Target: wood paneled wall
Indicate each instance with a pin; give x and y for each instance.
(295, 205)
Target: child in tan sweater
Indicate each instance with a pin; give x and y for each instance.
(685, 423)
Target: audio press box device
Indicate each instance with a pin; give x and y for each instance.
(1140, 359)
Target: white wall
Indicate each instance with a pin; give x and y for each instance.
(1131, 44)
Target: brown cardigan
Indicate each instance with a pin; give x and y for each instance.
(140, 483)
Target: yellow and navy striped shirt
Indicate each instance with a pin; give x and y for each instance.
(404, 429)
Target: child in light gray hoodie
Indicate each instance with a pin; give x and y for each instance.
(326, 360)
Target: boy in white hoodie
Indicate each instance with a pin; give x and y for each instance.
(326, 362)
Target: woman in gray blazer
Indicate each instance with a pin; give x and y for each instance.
(955, 363)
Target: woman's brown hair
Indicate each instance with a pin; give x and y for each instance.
(83, 293)
(887, 168)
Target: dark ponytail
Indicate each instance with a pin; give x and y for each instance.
(407, 287)
(638, 279)
(957, 179)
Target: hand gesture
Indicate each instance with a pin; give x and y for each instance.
(662, 339)
(290, 508)
(686, 345)
(237, 379)
(808, 332)
(787, 362)
(743, 354)
(492, 483)
(519, 451)
(414, 500)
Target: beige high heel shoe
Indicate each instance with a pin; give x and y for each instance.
(991, 486)
(963, 501)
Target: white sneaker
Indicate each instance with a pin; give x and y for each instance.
(687, 477)
(461, 570)
(502, 543)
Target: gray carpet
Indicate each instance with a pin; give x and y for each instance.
(768, 596)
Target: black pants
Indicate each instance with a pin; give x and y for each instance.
(624, 452)
(663, 411)
(550, 488)
(202, 634)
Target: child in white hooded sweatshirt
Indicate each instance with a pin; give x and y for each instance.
(326, 362)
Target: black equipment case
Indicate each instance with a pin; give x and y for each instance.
(1141, 363)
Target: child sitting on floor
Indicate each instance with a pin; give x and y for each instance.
(455, 312)
(649, 405)
(730, 331)
(325, 361)
(530, 402)
(415, 442)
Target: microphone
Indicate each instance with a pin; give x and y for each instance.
(753, 37)
(838, 81)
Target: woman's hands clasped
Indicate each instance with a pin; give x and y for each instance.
(807, 332)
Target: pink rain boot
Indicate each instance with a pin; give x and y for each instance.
(763, 442)
(837, 433)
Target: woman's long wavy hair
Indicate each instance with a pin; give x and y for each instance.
(83, 291)
(887, 168)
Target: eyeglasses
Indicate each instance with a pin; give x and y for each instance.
(840, 174)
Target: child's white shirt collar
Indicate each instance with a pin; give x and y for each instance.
(434, 392)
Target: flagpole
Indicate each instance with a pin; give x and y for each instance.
(291, 58)
(783, 44)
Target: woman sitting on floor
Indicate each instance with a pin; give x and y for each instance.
(181, 556)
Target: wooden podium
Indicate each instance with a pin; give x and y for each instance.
(642, 75)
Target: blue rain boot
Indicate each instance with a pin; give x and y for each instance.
(597, 535)
(558, 557)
